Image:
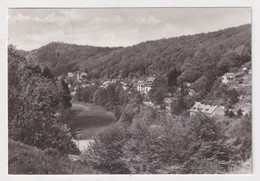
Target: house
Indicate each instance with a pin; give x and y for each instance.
(191, 92)
(140, 85)
(75, 158)
(152, 105)
(149, 104)
(70, 74)
(124, 85)
(209, 110)
(84, 75)
(107, 82)
(81, 75)
(228, 77)
(186, 84)
(84, 85)
(60, 78)
(244, 69)
(73, 93)
(167, 102)
(145, 86)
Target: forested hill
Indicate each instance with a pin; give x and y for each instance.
(194, 55)
(62, 58)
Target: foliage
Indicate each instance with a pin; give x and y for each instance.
(178, 145)
(106, 153)
(172, 77)
(34, 98)
(191, 56)
(24, 159)
(178, 106)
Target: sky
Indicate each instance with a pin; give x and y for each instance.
(32, 28)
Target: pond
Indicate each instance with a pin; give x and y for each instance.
(86, 121)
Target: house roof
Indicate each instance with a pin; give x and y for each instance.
(70, 74)
(207, 109)
(150, 79)
(229, 74)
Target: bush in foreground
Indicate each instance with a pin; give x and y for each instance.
(24, 159)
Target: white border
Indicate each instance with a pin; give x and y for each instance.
(5, 4)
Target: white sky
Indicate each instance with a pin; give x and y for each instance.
(31, 28)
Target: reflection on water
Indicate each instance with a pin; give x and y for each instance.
(87, 121)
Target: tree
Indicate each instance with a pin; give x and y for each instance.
(178, 106)
(233, 96)
(200, 84)
(34, 100)
(106, 153)
(157, 95)
(172, 77)
(188, 76)
(239, 113)
(231, 114)
(46, 72)
(65, 93)
(227, 112)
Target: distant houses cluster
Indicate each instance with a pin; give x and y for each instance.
(145, 85)
(230, 77)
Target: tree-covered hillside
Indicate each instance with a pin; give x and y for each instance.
(61, 57)
(205, 54)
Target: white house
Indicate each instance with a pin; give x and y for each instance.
(107, 82)
(167, 102)
(70, 74)
(191, 92)
(228, 77)
(81, 75)
(186, 84)
(244, 69)
(145, 86)
(209, 110)
(124, 85)
(140, 85)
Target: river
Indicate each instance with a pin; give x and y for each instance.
(87, 121)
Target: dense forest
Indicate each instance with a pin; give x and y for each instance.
(195, 55)
(63, 58)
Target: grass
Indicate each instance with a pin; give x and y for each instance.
(24, 159)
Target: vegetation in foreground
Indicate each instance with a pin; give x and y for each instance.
(146, 142)
(25, 159)
(37, 106)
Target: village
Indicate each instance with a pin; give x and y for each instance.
(236, 80)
